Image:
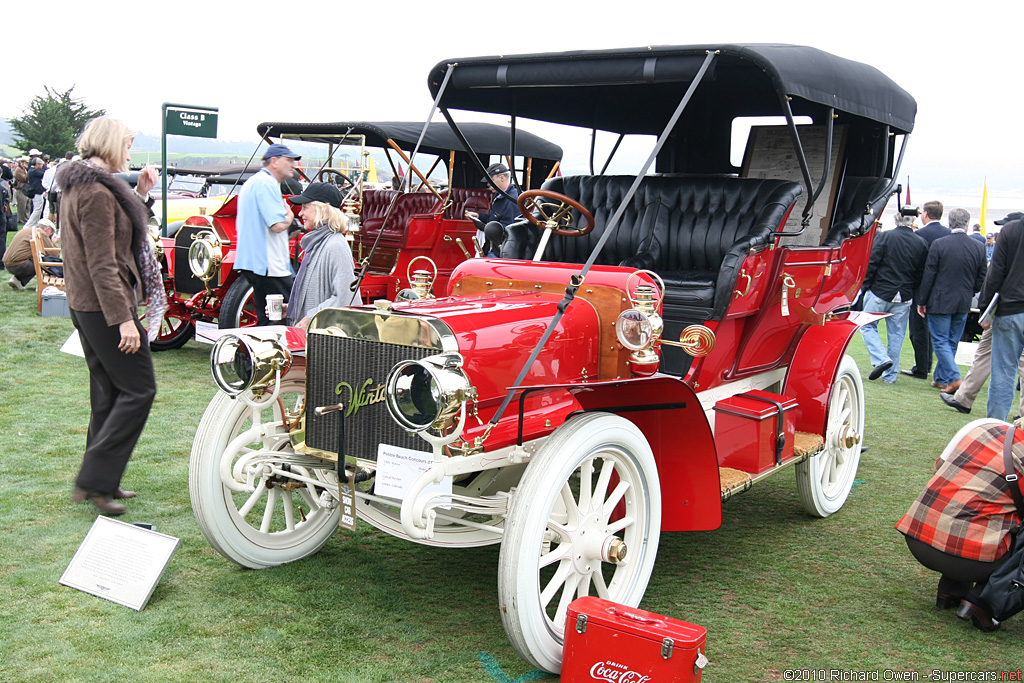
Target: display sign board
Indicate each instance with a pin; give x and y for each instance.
(120, 562)
(770, 153)
(193, 122)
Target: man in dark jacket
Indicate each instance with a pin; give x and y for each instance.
(503, 211)
(920, 337)
(1005, 278)
(954, 271)
(894, 273)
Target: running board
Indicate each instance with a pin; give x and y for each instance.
(736, 481)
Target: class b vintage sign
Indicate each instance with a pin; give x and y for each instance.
(195, 123)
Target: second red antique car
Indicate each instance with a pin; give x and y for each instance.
(651, 344)
(419, 227)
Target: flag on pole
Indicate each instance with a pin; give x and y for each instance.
(907, 203)
(984, 207)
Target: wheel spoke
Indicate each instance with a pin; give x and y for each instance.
(289, 511)
(583, 589)
(568, 595)
(601, 489)
(614, 499)
(558, 553)
(268, 512)
(619, 524)
(261, 489)
(556, 582)
(572, 511)
(601, 585)
(586, 483)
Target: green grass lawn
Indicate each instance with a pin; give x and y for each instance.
(776, 589)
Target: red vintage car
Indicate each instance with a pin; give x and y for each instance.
(649, 345)
(419, 227)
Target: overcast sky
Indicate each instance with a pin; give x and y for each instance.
(331, 61)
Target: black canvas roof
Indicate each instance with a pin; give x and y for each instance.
(485, 138)
(634, 90)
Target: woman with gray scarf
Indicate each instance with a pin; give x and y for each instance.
(327, 268)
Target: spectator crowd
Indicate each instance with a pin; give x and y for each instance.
(927, 278)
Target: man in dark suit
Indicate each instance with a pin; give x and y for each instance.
(893, 275)
(954, 271)
(920, 337)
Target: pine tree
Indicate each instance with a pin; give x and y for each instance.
(52, 123)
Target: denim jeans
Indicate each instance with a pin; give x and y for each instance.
(895, 330)
(946, 330)
(1007, 344)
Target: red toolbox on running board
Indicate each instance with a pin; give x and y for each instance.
(609, 642)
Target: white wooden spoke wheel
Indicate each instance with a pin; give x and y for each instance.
(825, 479)
(585, 520)
(257, 501)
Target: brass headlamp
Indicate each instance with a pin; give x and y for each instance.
(426, 394)
(240, 363)
(205, 255)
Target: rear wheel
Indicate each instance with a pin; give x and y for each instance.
(237, 308)
(585, 520)
(824, 480)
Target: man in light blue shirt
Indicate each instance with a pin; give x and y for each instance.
(262, 223)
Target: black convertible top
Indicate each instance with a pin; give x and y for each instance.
(485, 138)
(634, 90)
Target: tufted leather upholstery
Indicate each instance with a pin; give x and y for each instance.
(468, 199)
(853, 198)
(693, 231)
(375, 208)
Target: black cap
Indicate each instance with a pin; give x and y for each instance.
(496, 169)
(319, 192)
(1015, 216)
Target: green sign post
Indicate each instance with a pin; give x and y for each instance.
(183, 119)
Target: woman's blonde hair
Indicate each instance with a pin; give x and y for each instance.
(104, 138)
(333, 218)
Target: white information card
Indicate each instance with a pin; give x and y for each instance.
(120, 562)
(398, 468)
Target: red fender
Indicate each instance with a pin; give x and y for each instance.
(815, 365)
(682, 441)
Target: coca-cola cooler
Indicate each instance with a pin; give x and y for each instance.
(606, 641)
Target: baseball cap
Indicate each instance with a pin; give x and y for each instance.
(1015, 216)
(279, 150)
(496, 169)
(319, 192)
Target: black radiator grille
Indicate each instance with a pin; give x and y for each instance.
(184, 280)
(331, 360)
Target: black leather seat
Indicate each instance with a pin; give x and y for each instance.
(854, 200)
(694, 231)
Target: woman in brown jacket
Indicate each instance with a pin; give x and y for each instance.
(108, 266)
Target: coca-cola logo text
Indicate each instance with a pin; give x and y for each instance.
(613, 672)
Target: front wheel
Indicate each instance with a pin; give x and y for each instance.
(257, 501)
(824, 480)
(174, 331)
(585, 520)
(237, 308)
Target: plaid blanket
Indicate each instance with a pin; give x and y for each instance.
(967, 510)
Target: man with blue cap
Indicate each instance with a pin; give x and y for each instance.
(262, 222)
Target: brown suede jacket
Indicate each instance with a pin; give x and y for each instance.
(100, 272)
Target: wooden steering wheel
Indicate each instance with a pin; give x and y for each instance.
(554, 215)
